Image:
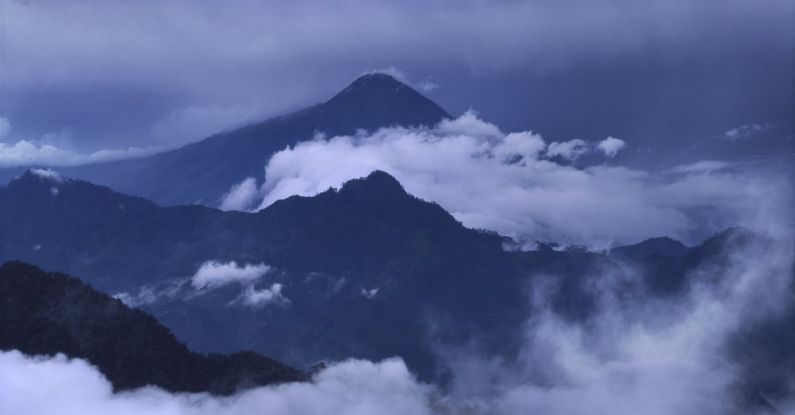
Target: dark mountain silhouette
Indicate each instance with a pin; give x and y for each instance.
(200, 173)
(48, 313)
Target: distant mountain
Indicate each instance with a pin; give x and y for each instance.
(200, 173)
(47, 313)
(367, 270)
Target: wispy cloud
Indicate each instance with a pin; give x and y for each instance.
(214, 274)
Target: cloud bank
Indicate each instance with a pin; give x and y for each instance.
(518, 185)
(61, 386)
(43, 153)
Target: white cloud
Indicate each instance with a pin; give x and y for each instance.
(241, 196)
(468, 124)
(254, 297)
(703, 166)
(33, 153)
(610, 146)
(636, 354)
(52, 150)
(57, 385)
(209, 276)
(48, 174)
(371, 293)
(746, 131)
(214, 274)
(568, 150)
(504, 182)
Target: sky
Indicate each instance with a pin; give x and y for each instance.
(535, 87)
(84, 76)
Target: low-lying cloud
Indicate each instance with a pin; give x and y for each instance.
(42, 152)
(518, 185)
(213, 275)
(62, 386)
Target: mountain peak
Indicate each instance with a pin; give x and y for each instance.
(39, 175)
(377, 183)
(375, 81)
(377, 100)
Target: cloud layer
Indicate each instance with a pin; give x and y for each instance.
(61, 386)
(43, 152)
(518, 185)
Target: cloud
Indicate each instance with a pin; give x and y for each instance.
(507, 183)
(425, 85)
(703, 166)
(253, 297)
(48, 174)
(568, 150)
(5, 128)
(610, 146)
(209, 276)
(151, 77)
(46, 152)
(214, 274)
(32, 153)
(746, 131)
(241, 196)
(636, 354)
(61, 386)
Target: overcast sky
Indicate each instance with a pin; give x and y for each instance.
(89, 75)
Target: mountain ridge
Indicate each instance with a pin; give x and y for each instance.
(203, 171)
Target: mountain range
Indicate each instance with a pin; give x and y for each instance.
(202, 172)
(366, 271)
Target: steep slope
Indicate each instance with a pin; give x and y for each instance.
(46, 313)
(200, 173)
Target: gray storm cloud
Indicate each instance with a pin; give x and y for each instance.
(180, 70)
(512, 183)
